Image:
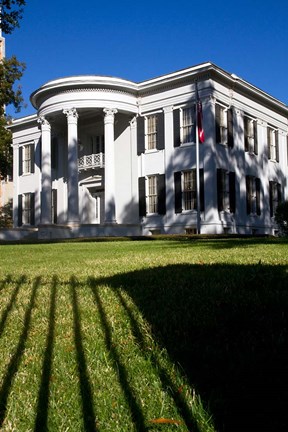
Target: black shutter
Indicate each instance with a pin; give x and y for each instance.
(202, 193)
(258, 204)
(279, 193)
(217, 123)
(246, 128)
(277, 145)
(140, 135)
(161, 192)
(32, 153)
(20, 161)
(268, 142)
(176, 127)
(255, 137)
(232, 194)
(220, 189)
(54, 206)
(160, 132)
(32, 209)
(142, 196)
(271, 197)
(248, 194)
(230, 128)
(178, 192)
(19, 210)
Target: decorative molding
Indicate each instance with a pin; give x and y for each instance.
(43, 122)
(71, 113)
(109, 115)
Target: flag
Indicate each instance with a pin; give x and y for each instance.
(199, 114)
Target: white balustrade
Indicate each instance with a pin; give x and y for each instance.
(91, 161)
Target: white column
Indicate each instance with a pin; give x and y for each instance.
(46, 182)
(72, 181)
(110, 207)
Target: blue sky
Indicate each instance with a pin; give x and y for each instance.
(138, 40)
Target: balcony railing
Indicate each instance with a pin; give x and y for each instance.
(91, 161)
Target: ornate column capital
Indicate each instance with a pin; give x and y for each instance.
(43, 122)
(109, 115)
(71, 114)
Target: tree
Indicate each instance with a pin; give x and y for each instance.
(10, 14)
(281, 217)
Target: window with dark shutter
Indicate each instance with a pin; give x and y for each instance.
(277, 146)
(258, 203)
(20, 162)
(217, 123)
(32, 153)
(140, 135)
(246, 134)
(248, 194)
(32, 209)
(160, 144)
(177, 192)
(161, 192)
(176, 127)
(142, 196)
(220, 189)
(202, 192)
(230, 128)
(19, 210)
(232, 194)
(255, 137)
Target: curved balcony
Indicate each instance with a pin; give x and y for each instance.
(91, 161)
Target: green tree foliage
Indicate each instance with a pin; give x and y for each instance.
(281, 217)
(11, 13)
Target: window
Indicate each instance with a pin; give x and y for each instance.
(152, 194)
(226, 190)
(224, 125)
(187, 120)
(26, 204)
(274, 196)
(253, 195)
(26, 159)
(186, 190)
(96, 144)
(272, 143)
(250, 135)
(150, 133)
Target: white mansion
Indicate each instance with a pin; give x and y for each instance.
(107, 156)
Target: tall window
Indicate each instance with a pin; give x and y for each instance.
(26, 205)
(253, 195)
(188, 125)
(152, 194)
(151, 132)
(26, 159)
(226, 190)
(274, 196)
(250, 135)
(189, 190)
(185, 187)
(272, 143)
(224, 125)
(97, 144)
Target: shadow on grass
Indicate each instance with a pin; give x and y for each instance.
(15, 360)
(227, 326)
(13, 297)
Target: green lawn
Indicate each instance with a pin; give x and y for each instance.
(160, 335)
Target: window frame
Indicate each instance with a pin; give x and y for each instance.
(151, 132)
(253, 187)
(190, 124)
(273, 143)
(151, 194)
(250, 134)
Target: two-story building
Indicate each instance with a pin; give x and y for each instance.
(107, 156)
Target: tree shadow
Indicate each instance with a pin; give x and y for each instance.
(227, 326)
(15, 360)
(89, 417)
(13, 297)
(43, 396)
(119, 367)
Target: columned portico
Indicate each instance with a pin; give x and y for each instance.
(110, 205)
(72, 180)
(46, 194)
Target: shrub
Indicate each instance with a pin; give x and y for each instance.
(6, 219)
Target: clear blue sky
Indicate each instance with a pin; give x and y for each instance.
(138, 40)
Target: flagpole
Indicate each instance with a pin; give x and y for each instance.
(197, 166)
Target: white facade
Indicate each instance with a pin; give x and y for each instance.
(106, 156)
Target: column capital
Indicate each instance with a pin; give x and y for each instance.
(109, 115)
(71, 114)
(43, 122)
(133, 122)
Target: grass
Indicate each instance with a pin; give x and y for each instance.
(144, 336)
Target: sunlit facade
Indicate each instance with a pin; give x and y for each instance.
(105, 156)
